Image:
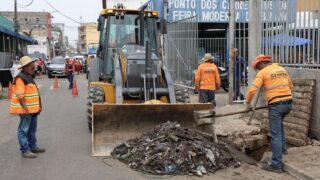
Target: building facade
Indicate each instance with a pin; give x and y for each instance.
(33, 24)
(88, 37)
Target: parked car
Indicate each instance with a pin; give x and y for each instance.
(56, 67)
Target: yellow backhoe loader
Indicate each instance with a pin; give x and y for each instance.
(130, 90)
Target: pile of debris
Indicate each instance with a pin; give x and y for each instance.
(171, 149)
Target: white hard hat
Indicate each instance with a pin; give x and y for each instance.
(67, 57)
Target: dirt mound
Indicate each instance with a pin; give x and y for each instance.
(171, 149)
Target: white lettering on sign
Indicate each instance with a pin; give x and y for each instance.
(241, 5)
(215, 16)
(209, 4)
(193, 4)
(178, 15)
(182, 4)
(225, 5)
(210, 10)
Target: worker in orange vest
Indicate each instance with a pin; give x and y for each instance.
(26, 103)
(69, 70)
(278, 93)
(207, 80)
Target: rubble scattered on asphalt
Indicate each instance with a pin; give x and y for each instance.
(171, 149)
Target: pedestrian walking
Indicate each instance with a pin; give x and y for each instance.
(278, 92)
(26, 103)
(207, 80)
(39, 66)
(15, 70)
(69, 70)
(239, 69)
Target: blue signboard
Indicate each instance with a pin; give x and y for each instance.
(206, 10)
(218, 10)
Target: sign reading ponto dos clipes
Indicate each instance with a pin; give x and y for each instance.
(218, 10)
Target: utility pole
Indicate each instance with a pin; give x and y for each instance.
(16, 29)
(231, 47)
(254, 33)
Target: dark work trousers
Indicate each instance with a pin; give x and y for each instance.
(206, 96)
(237, 95)
(277, 113)
(70, 79)
(27, 132)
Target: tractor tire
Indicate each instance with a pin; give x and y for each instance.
(95, 95)
(182, 95)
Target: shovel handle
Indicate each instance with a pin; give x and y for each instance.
(240, 112)
(254, 106)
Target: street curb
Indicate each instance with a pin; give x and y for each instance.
(296, 173)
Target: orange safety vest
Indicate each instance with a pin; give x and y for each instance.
(208, 77)
(276, 82)
(30, 94)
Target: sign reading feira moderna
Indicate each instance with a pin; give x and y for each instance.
(218, 10)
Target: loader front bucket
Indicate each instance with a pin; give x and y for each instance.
(114, 124)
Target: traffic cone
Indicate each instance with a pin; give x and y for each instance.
(55, 83)
(74, 89)
(9, 90)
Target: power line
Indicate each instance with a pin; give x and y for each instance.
(29, 4)
(62, 13)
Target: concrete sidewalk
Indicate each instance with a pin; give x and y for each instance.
(303, 162)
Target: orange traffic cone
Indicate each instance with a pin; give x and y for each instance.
(9, 90)
(74, 89)
(55, 83)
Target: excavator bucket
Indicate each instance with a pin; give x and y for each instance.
(114, 124)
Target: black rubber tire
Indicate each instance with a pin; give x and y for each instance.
(49, 75)
(95, 95)
(182, 95)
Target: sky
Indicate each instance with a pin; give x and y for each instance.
(87, 9)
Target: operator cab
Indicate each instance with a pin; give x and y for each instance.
(122, 34)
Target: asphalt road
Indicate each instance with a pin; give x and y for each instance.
(63, 131)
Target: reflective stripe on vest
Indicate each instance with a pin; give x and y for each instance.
(277, 86)
(31, 97)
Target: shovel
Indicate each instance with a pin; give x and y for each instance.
(207, 116)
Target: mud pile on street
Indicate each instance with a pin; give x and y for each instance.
(171, 149)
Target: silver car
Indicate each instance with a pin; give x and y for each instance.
(56, 67)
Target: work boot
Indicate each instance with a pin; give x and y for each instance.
(38, 150)
(271, 168)
(29, 154)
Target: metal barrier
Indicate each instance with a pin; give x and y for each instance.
(184, 52)
(181, 49)
(291, 36)
(218, 48)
